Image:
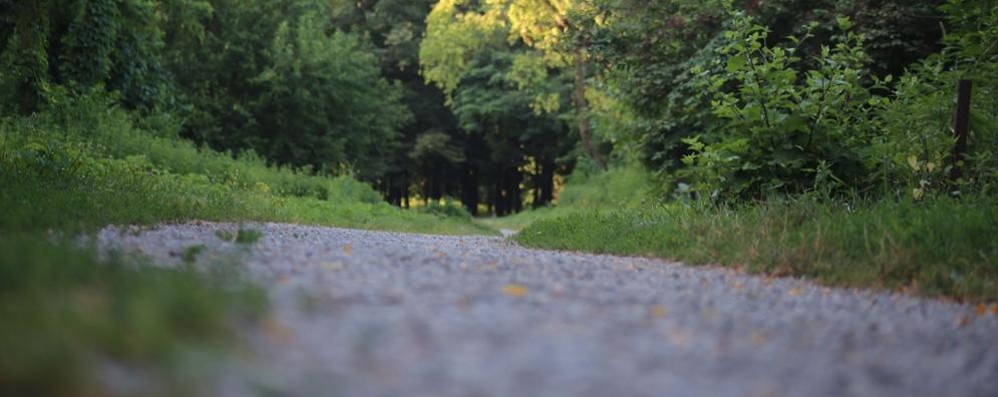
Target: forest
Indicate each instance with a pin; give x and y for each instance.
(495, 103)
(850, 142)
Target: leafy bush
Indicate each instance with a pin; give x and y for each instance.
(788, 125)
(449, 209)
(785, 123)
(915, 151)
(629, 186)
(93, 121)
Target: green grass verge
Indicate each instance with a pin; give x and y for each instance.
(103, 169)
(939, 247)
(65, 312)
(624, 187)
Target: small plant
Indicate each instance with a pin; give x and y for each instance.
(450, 209)
(191, 253)
(240, 236)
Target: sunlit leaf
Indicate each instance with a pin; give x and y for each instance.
(515, 290)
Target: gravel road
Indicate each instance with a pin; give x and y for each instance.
(358, 313)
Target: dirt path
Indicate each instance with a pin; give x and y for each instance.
(380, 314)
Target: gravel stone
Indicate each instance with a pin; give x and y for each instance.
(361, 313)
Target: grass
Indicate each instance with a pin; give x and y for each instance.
(240, 236)
(625, 187)
(939, 247)
(66, 311)
(107, 170)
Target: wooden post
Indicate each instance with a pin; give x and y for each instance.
(962, 130)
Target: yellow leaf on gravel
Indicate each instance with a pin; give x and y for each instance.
(795, 291)
(517, 290)
(981, 309)
(347, 248)
(658, 311)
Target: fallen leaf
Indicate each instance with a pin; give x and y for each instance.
(981, 309)
(758, 337)
(994, 310)
(679, 337)
(516, 290)
(439, 254)
(334, 266)
(796, 291)
(658, 311)
(464, 303)
(963, 321)
(347, 248)
(283, 280)
(277, 331)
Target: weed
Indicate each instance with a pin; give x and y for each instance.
(240, 236)
(191, 253)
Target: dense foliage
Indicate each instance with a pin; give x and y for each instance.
(494, 102)
(747, 100)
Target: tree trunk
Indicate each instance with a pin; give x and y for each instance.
(500, 198)
(514, 201)
(547, 182)
(582, 109)
(469, 189)
(405, 189)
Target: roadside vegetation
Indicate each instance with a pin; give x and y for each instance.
(802, 155)
(751, 134)
(940, 247)
(81, 164)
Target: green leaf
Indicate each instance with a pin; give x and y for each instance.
(736, 63)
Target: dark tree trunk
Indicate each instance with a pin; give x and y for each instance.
(514, 201)
(405, 190)
(546, 183)
(500, 192)
(469, 188)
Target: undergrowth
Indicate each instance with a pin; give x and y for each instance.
(937, 247)
(623, 187)
(85, 163)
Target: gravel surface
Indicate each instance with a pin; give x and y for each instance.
(358, 313)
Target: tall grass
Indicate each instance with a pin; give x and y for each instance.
(939, 247)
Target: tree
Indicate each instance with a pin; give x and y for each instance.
(278, 79)
(395, 27)
(86, 43)
(551, 27)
